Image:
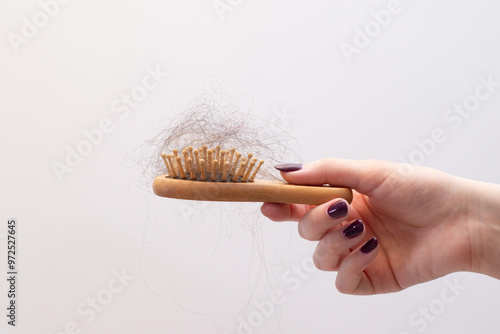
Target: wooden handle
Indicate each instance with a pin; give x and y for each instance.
(257, 191)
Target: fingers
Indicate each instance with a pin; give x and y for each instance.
(341, 245)
(351, 278)
(363, 175)
(315, 221)
(333, 252)
(336, 244)
(284, 212)
(323, 218)
(326, 223)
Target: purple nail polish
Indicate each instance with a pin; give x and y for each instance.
(337, 209)
(369, 245)
(353, 230)
(288, 167)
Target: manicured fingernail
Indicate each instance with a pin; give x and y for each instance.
(337, 209)
(353, 230)
(288, 167)
(369, 245)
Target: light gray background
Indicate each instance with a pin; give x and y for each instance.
(197, 267)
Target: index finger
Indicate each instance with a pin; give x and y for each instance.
(362, 175)
(285, 212)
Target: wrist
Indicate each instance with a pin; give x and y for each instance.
(484, 228)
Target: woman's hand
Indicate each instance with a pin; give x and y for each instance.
(406, 224)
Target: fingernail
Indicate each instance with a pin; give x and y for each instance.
(337, 209)
(288, 167)
(353, 230)
(369, 245)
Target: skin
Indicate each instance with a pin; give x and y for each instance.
(428, 224)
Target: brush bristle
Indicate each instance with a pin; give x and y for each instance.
(214, 165)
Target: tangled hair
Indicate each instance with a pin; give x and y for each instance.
(214, 119)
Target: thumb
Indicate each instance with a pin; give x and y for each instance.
(362, 175)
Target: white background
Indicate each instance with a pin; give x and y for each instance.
(197, 267)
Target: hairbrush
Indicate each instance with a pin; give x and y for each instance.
(227, 175)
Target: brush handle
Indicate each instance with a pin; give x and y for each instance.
(256, 191)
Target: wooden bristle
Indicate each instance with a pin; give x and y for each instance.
(215, 165)
(224, 171)
(190, 168)
(240, 171)
(235, 163)
(202, 167)
(197, 161)
(222, 159)
(209, 161)
(231, 154)
(172, 166)
(164, 157)
(204, 151)
(185, 155)
(190, 150)
(217, 153)
(248, 171)
(179, 167)
(212, 164)
(256, 170)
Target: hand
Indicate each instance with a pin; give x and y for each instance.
(406, 224)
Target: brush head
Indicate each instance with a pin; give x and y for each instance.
(227, 175)
(213, 165)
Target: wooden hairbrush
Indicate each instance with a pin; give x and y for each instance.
(226, 175)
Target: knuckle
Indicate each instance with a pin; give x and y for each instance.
(321, 254)
(307, 228)
(345, 286)
(303, 231)
(327, 161)
(325, 260)
(320, 264)
(342, 288)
